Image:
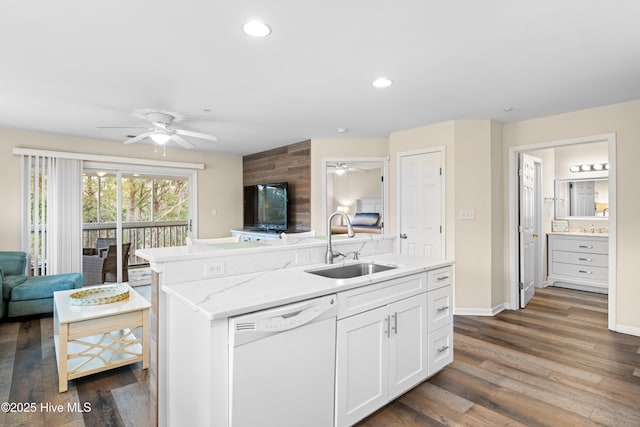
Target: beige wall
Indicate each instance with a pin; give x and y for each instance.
(219, 184)
(473, 180)
(623, 120)
(343, 149)
(421, 139)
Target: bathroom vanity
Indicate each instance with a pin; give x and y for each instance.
(579, 261)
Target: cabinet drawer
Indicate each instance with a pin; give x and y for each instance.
(371, 296)
(440, 350)
(580, 271)
(439, 278)
(598, 245)
(581, 258)
(439, 308)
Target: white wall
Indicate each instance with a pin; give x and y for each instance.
(220, 183)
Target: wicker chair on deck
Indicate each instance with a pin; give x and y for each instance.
(103, 267)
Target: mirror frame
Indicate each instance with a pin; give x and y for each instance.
(570, 217)
(384, 163)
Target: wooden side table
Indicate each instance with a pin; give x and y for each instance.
(95, 338)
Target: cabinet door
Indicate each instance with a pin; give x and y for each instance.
(361, 364)
(408, 344)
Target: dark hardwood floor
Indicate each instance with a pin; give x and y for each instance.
(554, 363)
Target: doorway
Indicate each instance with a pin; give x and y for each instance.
(513, 235)
(355, 185)
(130, 208)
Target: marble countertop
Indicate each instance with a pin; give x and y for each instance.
(224, 297)
(579, 233)
(179, 253)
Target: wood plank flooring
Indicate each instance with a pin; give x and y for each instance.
(554, 363)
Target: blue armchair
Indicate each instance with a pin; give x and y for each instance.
(23, 295)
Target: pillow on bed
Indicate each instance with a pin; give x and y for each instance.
(366, 218)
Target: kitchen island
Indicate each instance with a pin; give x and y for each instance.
(193, 313)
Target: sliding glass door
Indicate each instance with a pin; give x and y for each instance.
(130, 209)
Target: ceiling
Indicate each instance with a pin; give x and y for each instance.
(70, 66)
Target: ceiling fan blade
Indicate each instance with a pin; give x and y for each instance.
(196, 134)
(137, 138)
(122, 127)
(183, 142)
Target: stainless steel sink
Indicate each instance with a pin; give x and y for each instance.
(351, 270)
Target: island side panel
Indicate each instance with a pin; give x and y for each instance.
(153, 349)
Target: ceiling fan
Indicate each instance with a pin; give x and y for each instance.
(341, 168)
(161, 131)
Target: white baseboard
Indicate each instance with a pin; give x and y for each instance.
(630, 330)
(480, 311)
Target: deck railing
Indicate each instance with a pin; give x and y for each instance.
(141, 235)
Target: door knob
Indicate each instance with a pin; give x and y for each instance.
(403, 236)
(535, 234)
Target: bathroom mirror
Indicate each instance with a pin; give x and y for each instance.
(355, 187)
(582, 198)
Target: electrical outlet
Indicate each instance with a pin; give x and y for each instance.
(214, 269)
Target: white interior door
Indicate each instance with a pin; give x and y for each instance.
(526, 228)
(421, 216)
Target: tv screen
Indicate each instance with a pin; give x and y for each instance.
(265, 206)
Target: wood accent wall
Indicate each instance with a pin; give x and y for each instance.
(291, 163)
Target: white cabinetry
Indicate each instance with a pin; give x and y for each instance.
(578, 262)
(439, 318)
(390, 337)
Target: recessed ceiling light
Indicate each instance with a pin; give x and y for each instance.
(382, 82)
(256, 29)
(343, 130)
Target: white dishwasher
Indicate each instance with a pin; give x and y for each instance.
(282, 365)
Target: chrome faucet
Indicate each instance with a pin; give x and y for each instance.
(328, 258)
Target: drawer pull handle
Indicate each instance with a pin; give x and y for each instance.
(388, 324)
(441, 278)
(441, 309)
(586, 246)
(395, 322)
(585, 271)
(585, 259)
(443, 348)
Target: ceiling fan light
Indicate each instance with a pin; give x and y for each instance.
(382, 82)
(160, 137)
(340, 171)
(256, 29)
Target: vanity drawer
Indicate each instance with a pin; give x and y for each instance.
(598, 245)
(581, 258)
(439, 278)
(580, 271)
(439, 308)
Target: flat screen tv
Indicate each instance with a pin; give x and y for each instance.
(265, 206)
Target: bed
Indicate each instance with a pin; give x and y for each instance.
(367, 218)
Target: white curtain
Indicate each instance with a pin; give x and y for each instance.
(52, 214)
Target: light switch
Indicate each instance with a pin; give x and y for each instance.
(467, 214)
